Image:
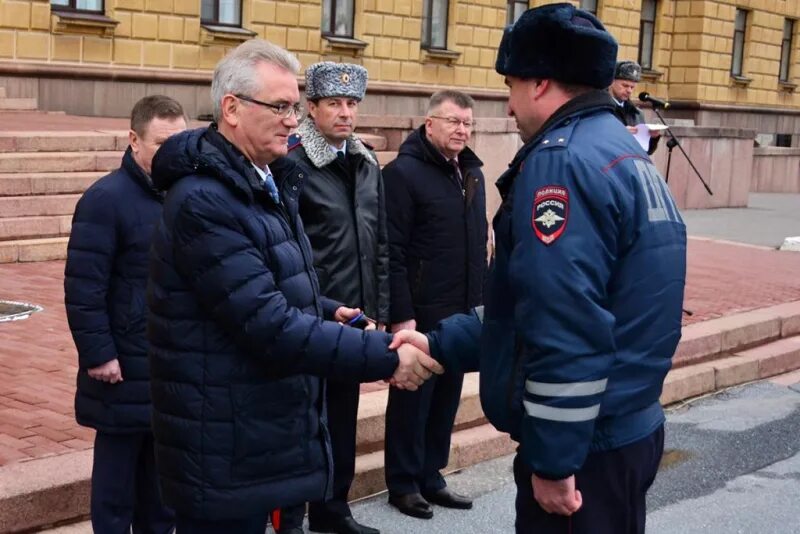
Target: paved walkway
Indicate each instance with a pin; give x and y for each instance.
(38, 359)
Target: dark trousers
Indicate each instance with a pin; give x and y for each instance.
(613, 485)
(342, 398)
(250, 525)
(418, 429)
(125, 489)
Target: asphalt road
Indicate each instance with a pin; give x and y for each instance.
(767, 221)
(732, 466)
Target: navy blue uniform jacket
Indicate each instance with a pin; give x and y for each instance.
(583, 305)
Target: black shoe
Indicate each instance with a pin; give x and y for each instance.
(412, 504)
(344, 525)
(449, 499)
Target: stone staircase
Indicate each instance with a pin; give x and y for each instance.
(44, 173)
(42, 176)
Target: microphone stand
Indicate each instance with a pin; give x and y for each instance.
(673, 142)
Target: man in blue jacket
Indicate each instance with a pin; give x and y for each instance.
(583, 304)
(238, 342)
(104, 292)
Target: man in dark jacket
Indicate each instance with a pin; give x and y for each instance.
(437, 235)
(237, 339)
(104, 293)
(583, 300)
(626, 75)
(342, 208)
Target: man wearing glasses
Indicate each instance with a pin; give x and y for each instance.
(437, 236)
(238, 344)
(344, 214)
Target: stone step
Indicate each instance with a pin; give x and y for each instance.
(385, 157)
(25, 250)
(377, 142)
(38, 162)
(56, 489)
(47, 183)
(2, 92)
(62, 141)
(38, 205)
(741, 367)
(34, 227)
(18, 104)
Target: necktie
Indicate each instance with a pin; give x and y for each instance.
(457, 172)
(272, 189)
(340, 156)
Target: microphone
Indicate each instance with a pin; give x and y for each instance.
(657, 103)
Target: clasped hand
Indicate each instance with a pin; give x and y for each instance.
(416, 365)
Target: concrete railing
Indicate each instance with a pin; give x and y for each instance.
(775, 170)
(724, 157)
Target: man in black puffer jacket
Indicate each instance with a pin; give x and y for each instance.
(436, 217)
(237, 338)
(104, 292)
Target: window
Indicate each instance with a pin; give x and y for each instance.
(93, 6)
(590, 6)
(786, 49)
(337, 17)
(434, 24)
(647, 34)
(515, 10)
(221, 12)
(783, 140)
(739, 27)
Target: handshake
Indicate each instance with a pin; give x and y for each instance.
(415, 365)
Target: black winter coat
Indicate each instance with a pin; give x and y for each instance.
(237, 341)
(104, 292)
(344, 214)
(437, 232)
(630, 115)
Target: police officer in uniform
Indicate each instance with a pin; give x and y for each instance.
(344, 215)
(583, 305)
(626, 75)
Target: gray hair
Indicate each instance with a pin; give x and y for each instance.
(236, 72)
(462, 100)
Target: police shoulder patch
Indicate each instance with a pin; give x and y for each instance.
(550, 213)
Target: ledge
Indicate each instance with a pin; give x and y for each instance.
(338, 43)
(741, 81)
(214, 34)
(651, 75)
(440, 55)
(82, 23)
(787, 87)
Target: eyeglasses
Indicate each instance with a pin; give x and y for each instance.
(283, 110)
(453, 122)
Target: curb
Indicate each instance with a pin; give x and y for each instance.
(712, 355)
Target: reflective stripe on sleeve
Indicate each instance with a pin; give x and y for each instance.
(569, 389)
(563, 415)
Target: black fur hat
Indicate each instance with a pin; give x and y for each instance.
(559, 42)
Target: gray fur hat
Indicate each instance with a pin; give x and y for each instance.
(328, 79)
(628, 70)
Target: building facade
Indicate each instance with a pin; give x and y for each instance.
(721, 62)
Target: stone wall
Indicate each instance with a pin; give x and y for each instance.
(724, 158)
(776, 170)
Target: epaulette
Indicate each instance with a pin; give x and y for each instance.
(559, 136)
(294, 141)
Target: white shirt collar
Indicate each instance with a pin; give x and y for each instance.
(262, 173)
(343, 149)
